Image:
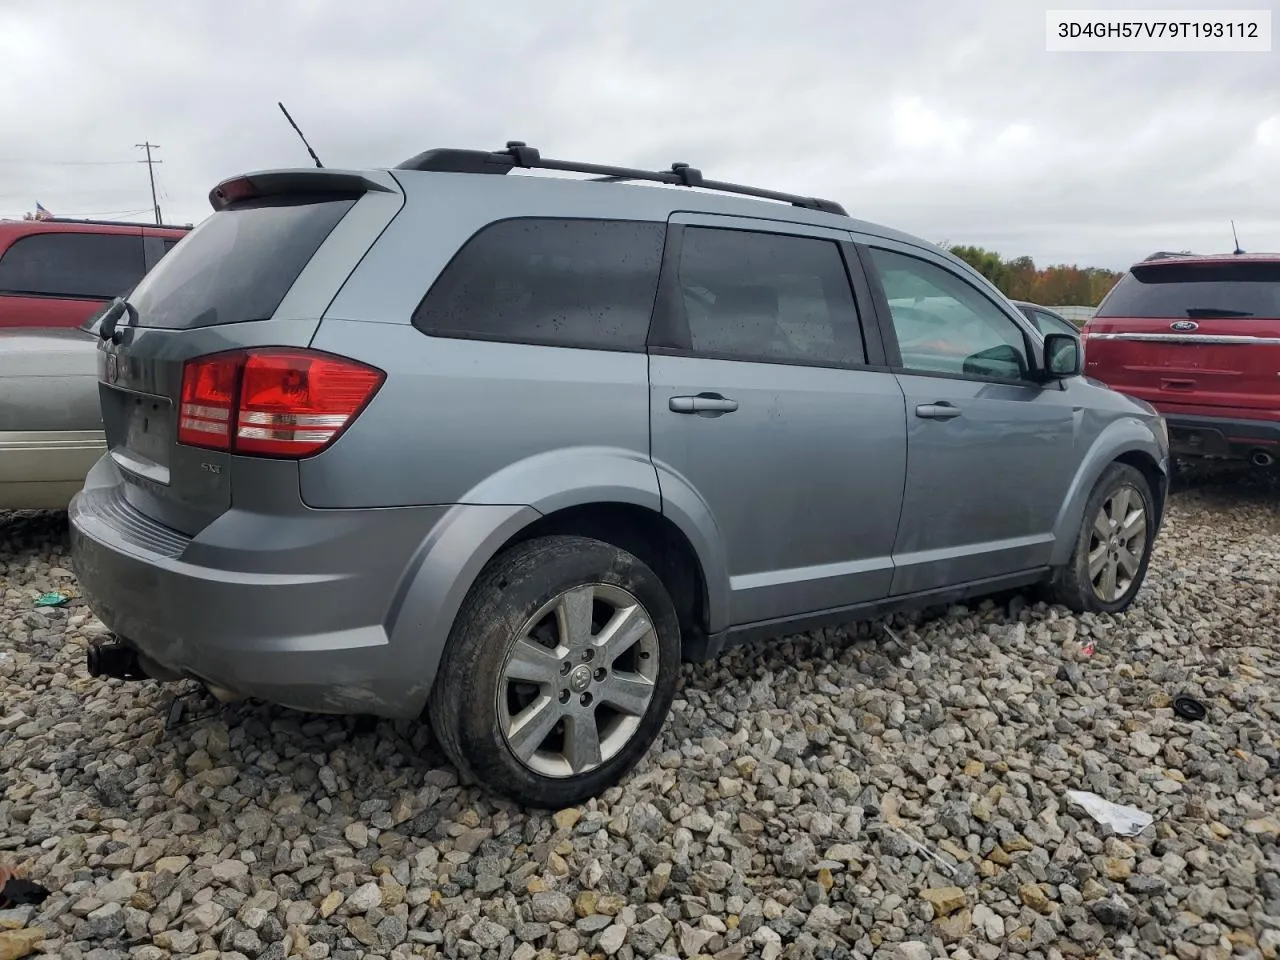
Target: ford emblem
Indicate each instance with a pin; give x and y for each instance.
(113, 368)
(1184, 326)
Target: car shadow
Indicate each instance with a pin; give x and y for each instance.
(1226, 486)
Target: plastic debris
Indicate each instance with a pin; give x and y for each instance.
(890, 820)
(16, 890)
(1125, 821)
(924, 851)
(1087, 649)
(1189, 708)
(54, 599)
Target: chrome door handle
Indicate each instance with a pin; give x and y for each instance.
(937, 411)
(702, 403)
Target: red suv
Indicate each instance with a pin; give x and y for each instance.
(1198, 337)
(58, 273)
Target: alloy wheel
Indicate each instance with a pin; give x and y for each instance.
(578, 680)
(1117, 543)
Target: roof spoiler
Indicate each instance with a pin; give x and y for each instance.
(280, 183)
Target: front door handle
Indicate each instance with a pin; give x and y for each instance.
(937, 411)
(703, 403)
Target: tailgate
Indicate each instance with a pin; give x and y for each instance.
(1203, 333)
(259, 272)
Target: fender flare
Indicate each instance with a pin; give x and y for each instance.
(1124, 436)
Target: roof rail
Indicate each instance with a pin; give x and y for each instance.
(518, 154)
(1166, 254)
(116, 223)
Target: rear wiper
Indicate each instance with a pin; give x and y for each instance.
(1202, 313)
(119, 307)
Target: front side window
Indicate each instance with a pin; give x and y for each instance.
(88, 266)
(565, 283)
(945, 325)
(768, 297)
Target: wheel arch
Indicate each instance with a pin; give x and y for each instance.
(1128, 441)
(647, 534)
(616, 499)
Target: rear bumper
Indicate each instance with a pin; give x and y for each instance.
(1229, 437)
(293, 609)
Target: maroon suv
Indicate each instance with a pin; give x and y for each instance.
(1198, 337)
(58, 273)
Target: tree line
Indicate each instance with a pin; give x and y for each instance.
(1021, 279)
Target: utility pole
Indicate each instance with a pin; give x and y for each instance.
(155, 204)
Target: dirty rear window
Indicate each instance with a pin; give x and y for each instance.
(238, 264)
(1232, 289)
(554, 282)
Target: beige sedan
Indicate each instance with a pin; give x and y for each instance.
(50, 418)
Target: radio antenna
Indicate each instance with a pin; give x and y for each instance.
(1235, 238)
(300, 136)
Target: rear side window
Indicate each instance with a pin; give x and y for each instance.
(768, 297)
(238, 264)
(1196, 291)
(1047, 322)
(91, 266)
(552, 282)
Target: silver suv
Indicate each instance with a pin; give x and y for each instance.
(507, 448)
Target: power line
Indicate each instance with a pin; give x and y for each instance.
(149, 146)
(110, 213)
(66, 163)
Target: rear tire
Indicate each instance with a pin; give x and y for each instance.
(1113, 547)
(559, 671)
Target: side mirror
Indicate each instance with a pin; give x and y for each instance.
(1004, 362)
(1063, 356)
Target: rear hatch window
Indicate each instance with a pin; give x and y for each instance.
(1196, 292)
(1183, 335)
(238, 264)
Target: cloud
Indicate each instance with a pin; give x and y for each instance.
(946, 120)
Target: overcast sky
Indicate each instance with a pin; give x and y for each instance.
(948, 120)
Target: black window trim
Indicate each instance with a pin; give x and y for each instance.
(536, 341)
(153, 248)
(81, 297)
(884, 320)
(30, 295)
(669, 334)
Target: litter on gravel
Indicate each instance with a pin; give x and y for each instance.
(1124, 820)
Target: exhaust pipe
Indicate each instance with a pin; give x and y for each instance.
(1261, 458)
(114, 659)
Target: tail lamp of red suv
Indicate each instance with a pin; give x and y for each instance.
(272, 402)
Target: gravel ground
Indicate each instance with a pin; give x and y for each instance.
(838, 794)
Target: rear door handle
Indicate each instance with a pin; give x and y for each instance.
(937, 411)
(703, 403)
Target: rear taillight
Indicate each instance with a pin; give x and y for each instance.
(209, 388)
(275, 402)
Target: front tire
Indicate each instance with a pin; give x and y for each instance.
(559, 671)
(1113, 548)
